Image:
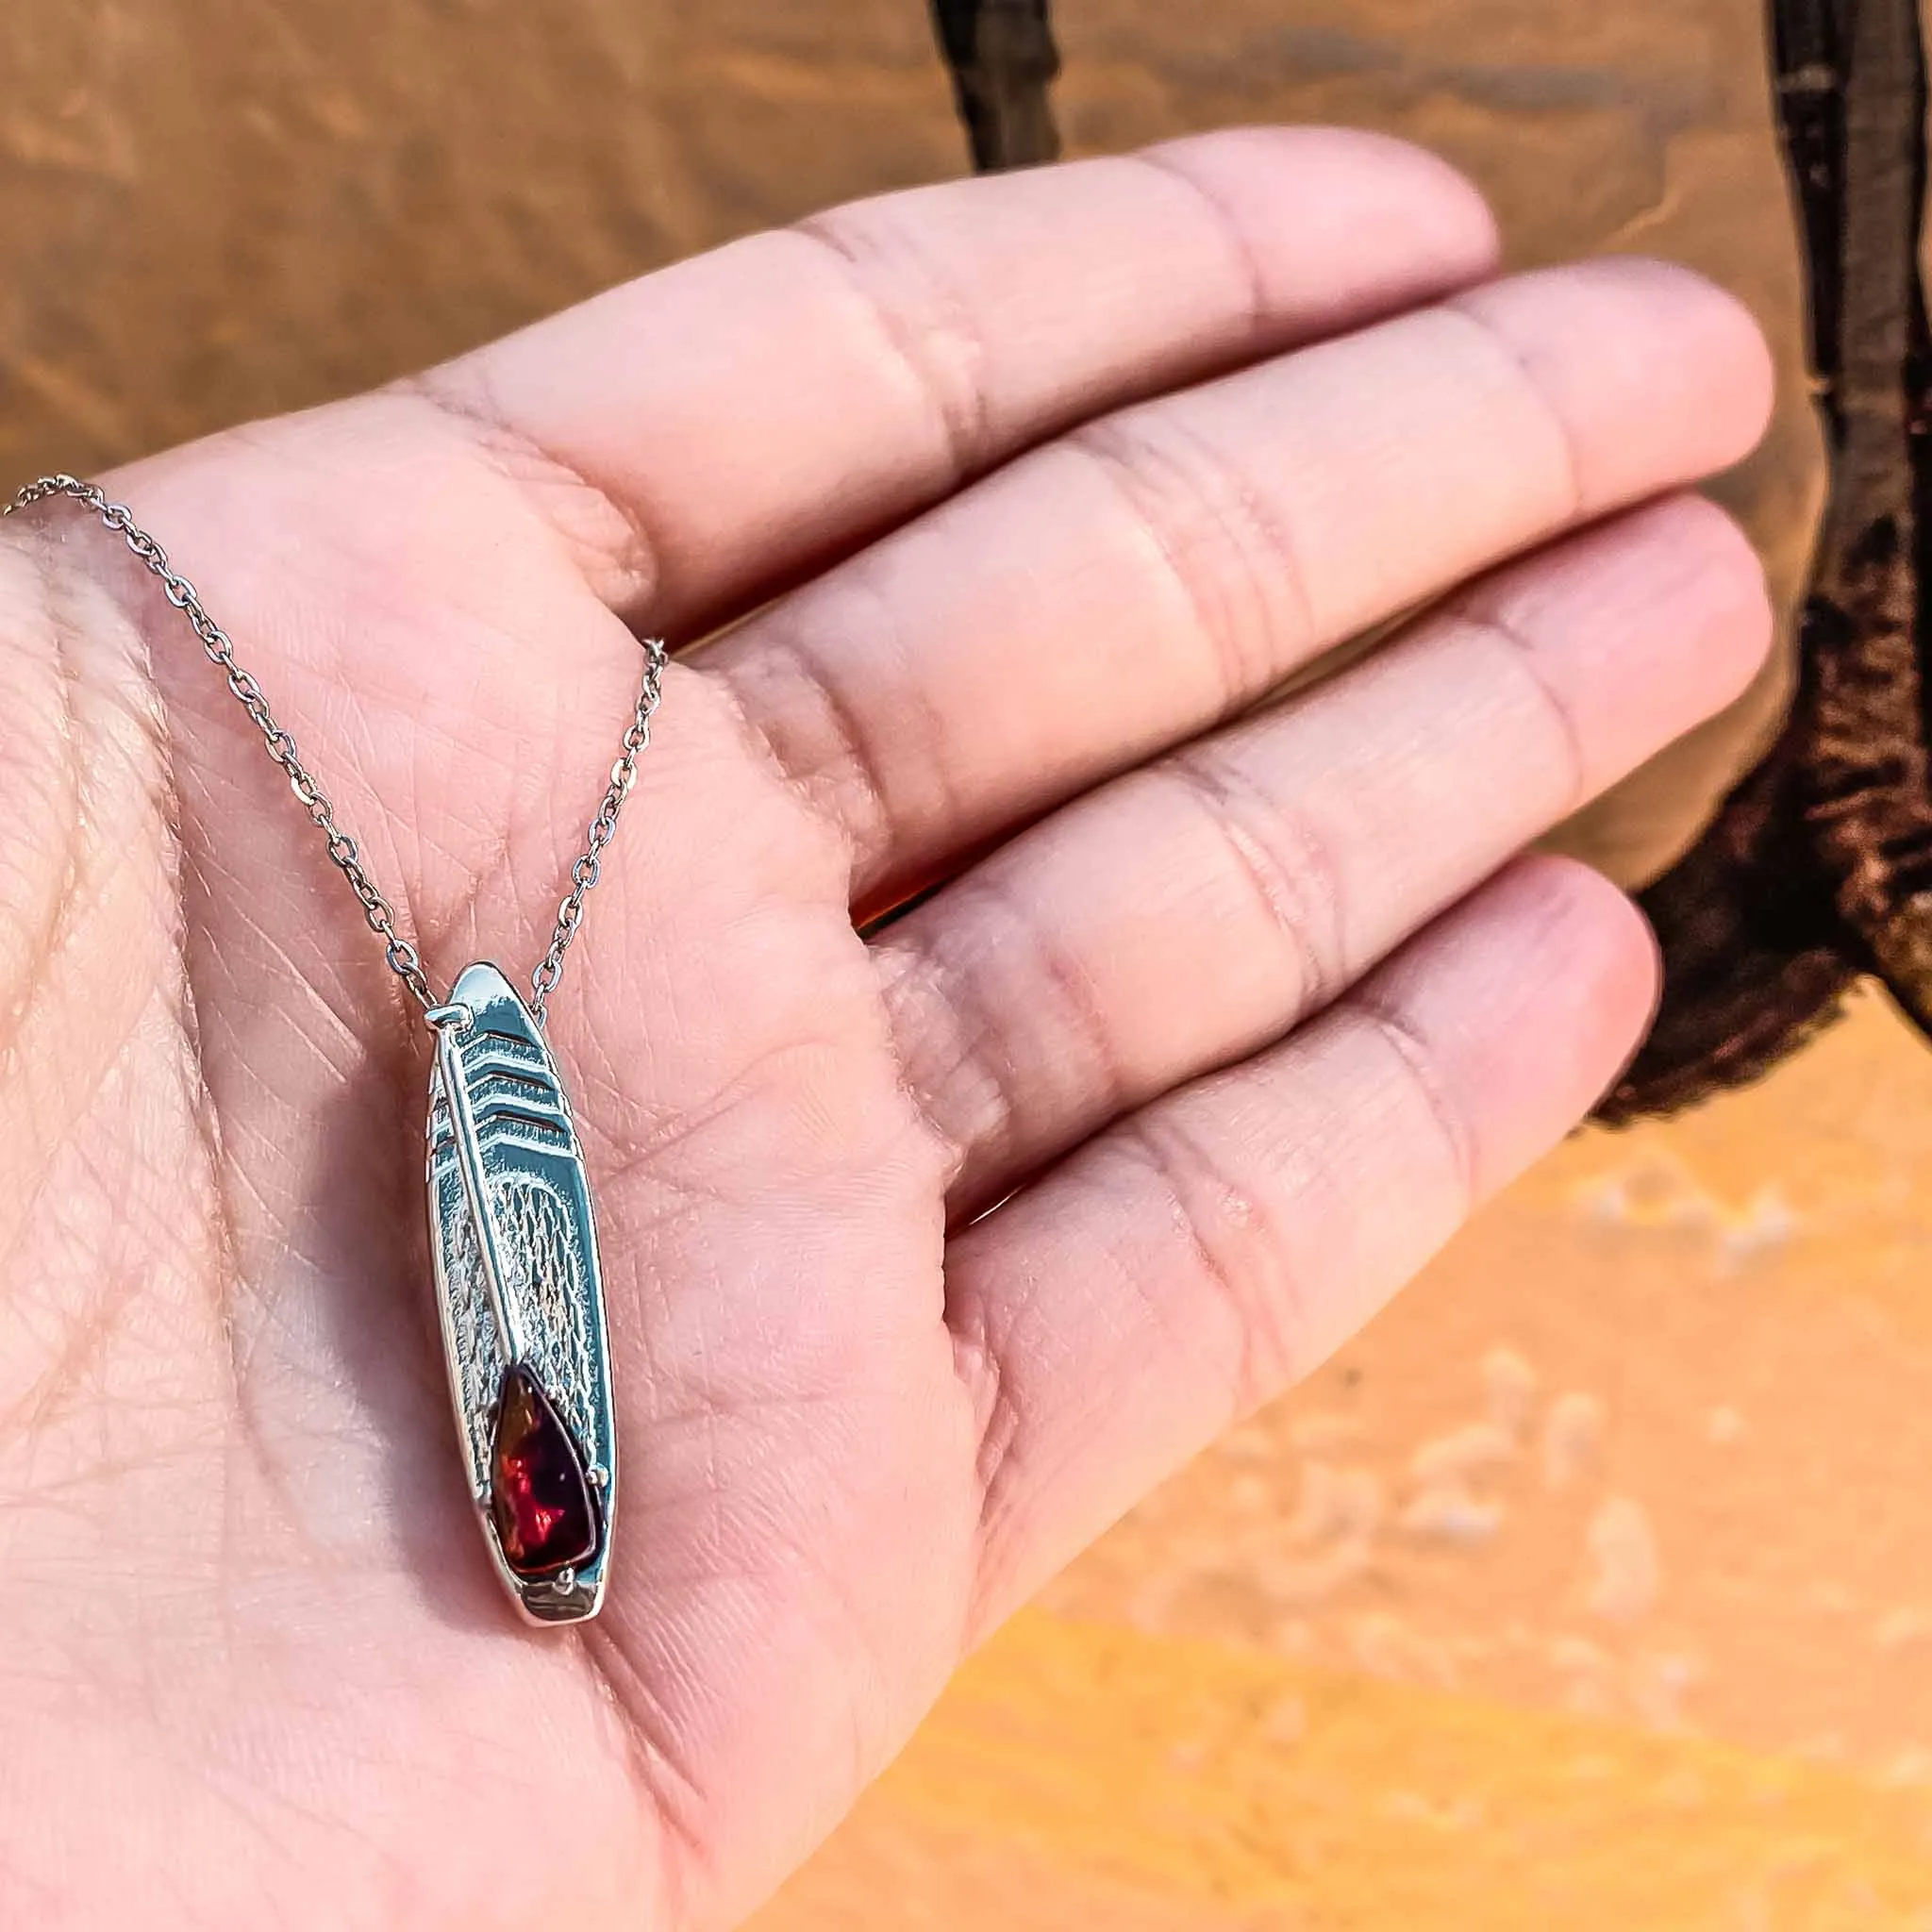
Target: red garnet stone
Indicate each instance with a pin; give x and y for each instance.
(539, 1499)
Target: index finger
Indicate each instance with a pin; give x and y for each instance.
(723, 426)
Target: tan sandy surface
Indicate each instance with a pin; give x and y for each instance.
(1592, 1587)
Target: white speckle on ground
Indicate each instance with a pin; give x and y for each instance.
(1572, 1437)
(1509, 1389)
(1627, 1572)
(1448, 1513)
(1461, 1453)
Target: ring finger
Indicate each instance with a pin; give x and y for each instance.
(1182, 917)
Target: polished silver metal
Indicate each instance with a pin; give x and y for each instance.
(589, 862)
(514, 1245)
(512, 1236)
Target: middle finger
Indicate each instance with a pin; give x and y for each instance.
(1178, 918)
(1115, 592)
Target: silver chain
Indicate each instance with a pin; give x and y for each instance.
(584, 874)
(403, 960)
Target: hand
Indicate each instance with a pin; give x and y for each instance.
(926, 1255)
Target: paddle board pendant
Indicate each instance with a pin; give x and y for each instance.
(511, 1229)
(515, 1251)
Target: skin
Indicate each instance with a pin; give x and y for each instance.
(1008, 508)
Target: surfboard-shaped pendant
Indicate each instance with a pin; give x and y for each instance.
(515, 1249)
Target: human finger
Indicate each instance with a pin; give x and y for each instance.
(1188, 913)
(704, 432)
(1195, 1259)
(1117, 591)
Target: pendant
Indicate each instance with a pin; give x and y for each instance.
(515, 1251)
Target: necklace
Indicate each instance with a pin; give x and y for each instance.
(512, 1240)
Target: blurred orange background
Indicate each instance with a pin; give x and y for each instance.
(1592, 1586)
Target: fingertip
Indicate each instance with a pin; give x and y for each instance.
(1419, 190)
(1729, 614)
(1703, 582)
(1600, 948)
(1656, 374)
(1640, 628)
(1722, 332)
(1531, 997)
(1383, 221)
(1581, 904)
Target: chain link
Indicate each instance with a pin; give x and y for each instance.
(403, 959)
(590, 862)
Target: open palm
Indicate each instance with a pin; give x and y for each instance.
(1007, 509)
